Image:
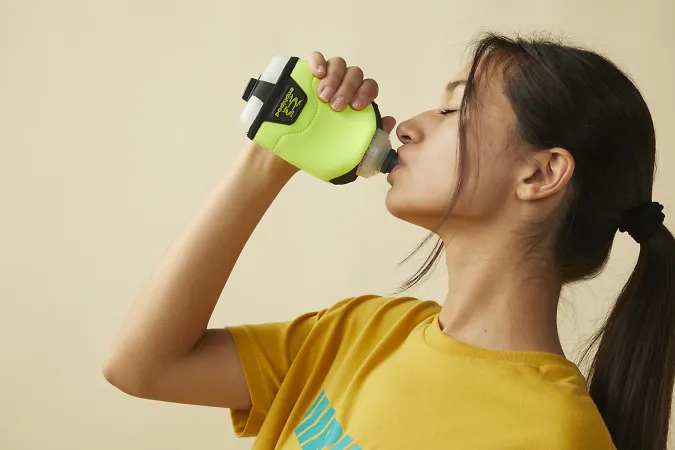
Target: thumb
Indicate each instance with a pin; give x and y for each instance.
(388, 124)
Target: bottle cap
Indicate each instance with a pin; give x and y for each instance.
(390, 161)
(378, 156)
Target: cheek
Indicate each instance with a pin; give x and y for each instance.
(486, 191)
(421, 190)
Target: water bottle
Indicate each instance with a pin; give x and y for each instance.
(284, 114)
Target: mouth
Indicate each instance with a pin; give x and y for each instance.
(400, 163)
(392, 171)
(401, 154)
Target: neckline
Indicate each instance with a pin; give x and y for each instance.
(435, 337)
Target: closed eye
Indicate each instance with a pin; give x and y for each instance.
(444, 112)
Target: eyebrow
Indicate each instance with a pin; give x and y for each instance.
(453, 84)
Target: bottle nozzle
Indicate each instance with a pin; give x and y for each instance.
(390, 161)
(379, 157)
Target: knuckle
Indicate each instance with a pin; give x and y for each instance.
(338, 61)
(371, 86)
(371, 82)
(352, 81)
(356, 72)
(350, 86)
(367, 91)
(316, 58)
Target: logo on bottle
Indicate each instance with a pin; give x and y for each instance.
(290, 105)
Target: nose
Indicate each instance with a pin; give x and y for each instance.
(408, 132)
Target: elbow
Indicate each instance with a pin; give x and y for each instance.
(127, 376)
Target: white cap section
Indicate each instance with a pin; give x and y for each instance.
(271, 75)
(250, 112)
(274, 69)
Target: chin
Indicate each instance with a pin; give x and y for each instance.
(411, 210)
(394, 205)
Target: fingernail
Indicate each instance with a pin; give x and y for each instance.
(321, 70)
(326, 93)
(338, 103)
(356, 104)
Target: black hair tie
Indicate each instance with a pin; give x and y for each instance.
(642, 221)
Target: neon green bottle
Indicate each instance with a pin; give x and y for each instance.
(284, 114)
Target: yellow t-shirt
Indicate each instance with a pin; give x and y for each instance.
(379, 373)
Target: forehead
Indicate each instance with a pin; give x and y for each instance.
(454, 86)
(488, 90)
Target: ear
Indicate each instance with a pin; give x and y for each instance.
(545, 173)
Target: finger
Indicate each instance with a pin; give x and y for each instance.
(366, 93)
(388, 124)
(335, 72)
(317, 63)
(350, 84)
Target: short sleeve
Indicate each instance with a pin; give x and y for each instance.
(279, 357)
(266, 352)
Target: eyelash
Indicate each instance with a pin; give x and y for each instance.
(444, 112)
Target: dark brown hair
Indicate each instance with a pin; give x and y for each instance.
(569, 97)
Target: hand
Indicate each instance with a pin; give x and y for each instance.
(341, 85)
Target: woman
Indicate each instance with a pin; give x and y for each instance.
(537, 155)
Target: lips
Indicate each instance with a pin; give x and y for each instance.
(401, 161)
(393, 170)
(401, 158)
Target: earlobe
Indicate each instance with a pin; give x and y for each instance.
(547, 173)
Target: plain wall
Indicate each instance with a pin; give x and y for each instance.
(118, 117)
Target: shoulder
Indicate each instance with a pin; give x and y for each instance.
(376, 311)
(585, 430)
(575, 421)
(369, 306)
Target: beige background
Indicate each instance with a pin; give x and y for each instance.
(117, 118)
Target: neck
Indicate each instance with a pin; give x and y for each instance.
(500, 297)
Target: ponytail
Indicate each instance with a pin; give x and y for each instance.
(631, 376)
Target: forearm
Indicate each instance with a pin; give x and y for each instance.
(173, 310)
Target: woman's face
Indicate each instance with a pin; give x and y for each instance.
(423, 184)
